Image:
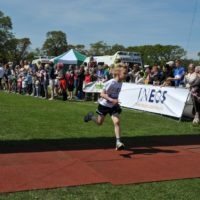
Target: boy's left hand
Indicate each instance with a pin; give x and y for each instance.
(115, 101)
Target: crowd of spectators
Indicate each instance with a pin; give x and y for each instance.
(172, 74)
(50, 81)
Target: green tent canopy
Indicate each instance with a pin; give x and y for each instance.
(71, 57)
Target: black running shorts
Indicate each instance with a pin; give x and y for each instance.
(103, 110)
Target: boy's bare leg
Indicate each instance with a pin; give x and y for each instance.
(99, 119)
(116, 122)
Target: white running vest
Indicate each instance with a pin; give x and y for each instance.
(112, 89)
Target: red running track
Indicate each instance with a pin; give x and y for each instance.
(53, 169)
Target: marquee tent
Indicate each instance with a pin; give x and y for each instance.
(71, 57)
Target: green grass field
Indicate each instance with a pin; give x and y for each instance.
(27, 119)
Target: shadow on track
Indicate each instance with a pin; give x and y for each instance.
(151, 142)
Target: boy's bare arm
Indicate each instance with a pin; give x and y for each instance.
(104, 95)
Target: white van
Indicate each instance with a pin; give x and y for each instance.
(123, 56)
(41, 59)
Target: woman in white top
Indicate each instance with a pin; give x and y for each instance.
(191, 76)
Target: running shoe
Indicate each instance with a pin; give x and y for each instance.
(119, 146)
(88, 117)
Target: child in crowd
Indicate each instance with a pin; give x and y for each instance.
(80, 79)
(52, 78)
(109, 103)
(14, 81)
(37, 86)
(76, 72)
(85, 82)
(24, 84)
(56, 85)
(45, 74)
(62, 81)
(140, 78)
(19, 84)
(70, 83)
(29, 82)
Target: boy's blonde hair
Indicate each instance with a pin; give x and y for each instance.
(117, 68)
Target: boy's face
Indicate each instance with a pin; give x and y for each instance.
(122, 74)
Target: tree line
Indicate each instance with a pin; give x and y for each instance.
(16, 49)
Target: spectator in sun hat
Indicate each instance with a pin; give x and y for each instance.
(170, 63)
(146, 66)
(178, 74)
(165, 74)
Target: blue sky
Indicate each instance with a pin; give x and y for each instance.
(125, 22)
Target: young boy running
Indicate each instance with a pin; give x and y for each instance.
(109, 103)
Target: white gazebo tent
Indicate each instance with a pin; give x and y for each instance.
(71, 57)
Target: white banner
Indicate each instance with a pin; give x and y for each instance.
(163, 100)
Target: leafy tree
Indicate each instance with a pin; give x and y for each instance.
(159, 54)
(38, 52)
(71, 46)
(99, 48)
(115, 48)
(5, 35)
(18, 49)
(22, 47)
(33, 54)
(186, 62)
(5, 22)
(198, 54)
(55, 44)
(30, 56)
(79, 47)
